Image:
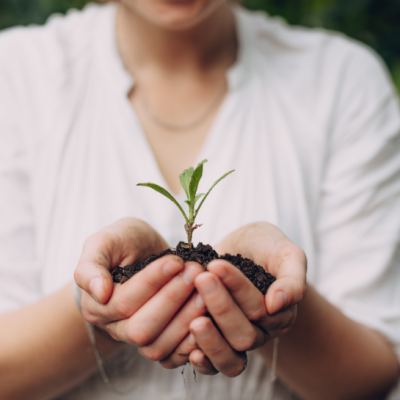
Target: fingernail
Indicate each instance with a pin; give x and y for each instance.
(190, 274)
(208, 285)
(222, 273)
(198, 301)
(279, 301)
(171, 268)
(191, 339)
(95, 287)
(201, 330)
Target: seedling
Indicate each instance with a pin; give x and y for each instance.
(190, 179)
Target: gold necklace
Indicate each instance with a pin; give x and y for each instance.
(191, 125)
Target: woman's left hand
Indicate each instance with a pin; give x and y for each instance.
(246, 319)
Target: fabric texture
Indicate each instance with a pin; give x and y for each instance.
(311, 124)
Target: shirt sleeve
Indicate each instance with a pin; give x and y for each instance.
(19, 270)
(358, 228)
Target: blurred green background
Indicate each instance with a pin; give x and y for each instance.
(374, 22)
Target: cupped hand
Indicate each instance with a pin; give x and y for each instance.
(245, 318)
(151, 310)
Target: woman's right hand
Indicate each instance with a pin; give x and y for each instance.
(151, 310)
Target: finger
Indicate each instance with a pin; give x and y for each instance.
(246, 295)
(251, 301)
(146, 324)
(239, 332)
(266, 245)
(175, 331)
(181, 354)
(289, 267)
(279, 323)
(285, 291)
(93, 271)
(123, 242)
(221, 355)
(130, 296)
(201, 363)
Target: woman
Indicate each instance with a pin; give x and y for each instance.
(137, 91)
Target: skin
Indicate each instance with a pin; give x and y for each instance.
(57, 361)
(56, 342)
(322, 353)
(186, 53)
(189, 46)
(196, 82)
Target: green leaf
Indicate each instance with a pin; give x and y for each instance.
(198, 197)
(194, 182)
(185, 178)
(189, 203)
(164, 192)
(212, 187)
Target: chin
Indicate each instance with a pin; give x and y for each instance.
(174, 15)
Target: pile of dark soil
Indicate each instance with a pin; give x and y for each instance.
(202, 254)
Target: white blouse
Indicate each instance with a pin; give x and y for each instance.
(311, 124)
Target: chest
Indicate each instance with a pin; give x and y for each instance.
(177, 124)
(85, 178)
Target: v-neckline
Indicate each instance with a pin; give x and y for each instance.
(123, 82)
(207, 149)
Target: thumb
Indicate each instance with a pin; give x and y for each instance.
(92, 273)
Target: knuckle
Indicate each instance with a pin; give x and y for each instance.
(93, 238)
(151, 276)
(215, 353)
(139, 337)
(172, 295)
(245, 342)
(298, 252)
(152, 353)
(168, 364)
(234, 370)
(290, 251)
(123, 308)
(220, 309)
(234, 285)
(256, 314)
(90, 317)
(99, 239)
(150, 281)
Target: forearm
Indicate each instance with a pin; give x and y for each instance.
(328, 356)
(45, 349)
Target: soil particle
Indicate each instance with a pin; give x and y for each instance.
(203, 254)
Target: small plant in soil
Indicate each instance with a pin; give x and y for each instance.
(203, 254)
(190, 179)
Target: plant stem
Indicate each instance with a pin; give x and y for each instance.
(190, 228)
(189, 232)
(189, 235)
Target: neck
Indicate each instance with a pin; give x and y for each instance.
(208, 44)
